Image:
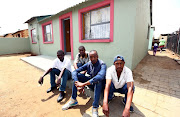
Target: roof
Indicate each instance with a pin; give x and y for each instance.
(19, 31)
(39, 17)
(68, 8)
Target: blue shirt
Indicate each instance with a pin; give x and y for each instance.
(97, 71)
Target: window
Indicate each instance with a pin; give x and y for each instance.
(47, 32)
(96, 22)
(33, 36)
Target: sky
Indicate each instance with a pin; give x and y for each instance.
(13, 13)
(166, 16)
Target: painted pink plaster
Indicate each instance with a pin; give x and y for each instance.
(64, 16)
(44, 24)
(94, 6)
(32, 37)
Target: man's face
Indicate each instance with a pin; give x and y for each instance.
(93, 57)
(60, 55)
(82, 51)
(119, 65)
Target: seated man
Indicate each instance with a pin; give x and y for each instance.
(81, 58)
(119, 79)
(96, 68)
(61, 67)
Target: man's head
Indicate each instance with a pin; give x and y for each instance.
(119, 63)
(93, 55)
(82, 50)
(60, 55)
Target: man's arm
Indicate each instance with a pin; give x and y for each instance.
(40, 81)
(105, 100)
(75, 66)
(100, 76)
(129, 99)
(60, 75)
(75, 72)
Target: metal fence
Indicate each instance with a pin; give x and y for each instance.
(173, 42)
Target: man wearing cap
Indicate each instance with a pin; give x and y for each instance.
(119, 79)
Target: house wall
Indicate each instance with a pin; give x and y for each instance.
(50, 49)
(131, 19)
(14, 45)
(124, 22)
(151, 38)
(34, 46)
(142, 20)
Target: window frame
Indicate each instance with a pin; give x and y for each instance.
(43, 25)
(93, 7)
(34, 42)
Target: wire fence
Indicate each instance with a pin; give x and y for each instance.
(173, 42)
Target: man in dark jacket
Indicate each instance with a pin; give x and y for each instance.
(96, 68)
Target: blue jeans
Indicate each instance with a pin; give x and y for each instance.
(66, 75)
(122, 90)
(79, 65)
(96, 87)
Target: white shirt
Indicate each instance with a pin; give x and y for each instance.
(60, 65)
(126, 76)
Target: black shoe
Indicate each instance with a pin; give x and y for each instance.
(61, 96)
(50, 89)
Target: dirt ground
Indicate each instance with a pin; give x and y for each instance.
(21, 96)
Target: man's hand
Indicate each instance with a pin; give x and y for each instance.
(106, 109)
(40, 81)
(58, 82)
(79, 84)
(126, 113)
(81, 89)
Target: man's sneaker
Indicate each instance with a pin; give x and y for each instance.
(71, 103)
(131, 108)
(95, 112)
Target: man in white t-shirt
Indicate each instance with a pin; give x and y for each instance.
(119, 79)
(62, 68)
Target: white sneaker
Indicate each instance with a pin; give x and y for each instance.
(71, 103)
(95, 112)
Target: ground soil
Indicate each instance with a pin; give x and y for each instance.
(21, 96)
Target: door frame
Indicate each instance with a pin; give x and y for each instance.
(61, 18)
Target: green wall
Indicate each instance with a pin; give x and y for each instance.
(151, 38)
(141, 31)
(131, 19)
(124, 16)
(34, 47)
(14, 45)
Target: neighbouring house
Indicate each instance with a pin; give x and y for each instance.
(164, 37)
(109, 26)
(21, 33)
(8, 35)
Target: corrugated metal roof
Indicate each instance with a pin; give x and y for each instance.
(83, 1)
(32, 18)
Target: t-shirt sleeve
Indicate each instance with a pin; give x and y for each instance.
(54, 64)
(108, 74)
(76, 59)
(129, 76)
